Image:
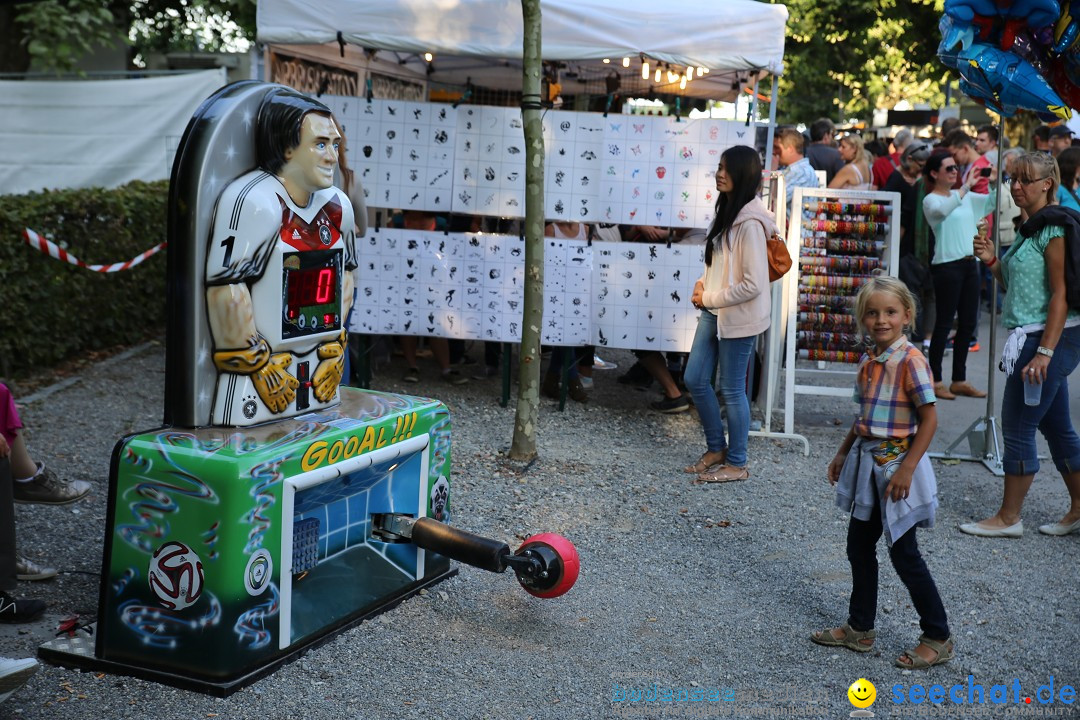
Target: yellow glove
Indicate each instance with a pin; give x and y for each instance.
(269, 373)
(244, 361)
(328, 374)
(275, 385)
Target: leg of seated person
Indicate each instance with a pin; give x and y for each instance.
(656, 365)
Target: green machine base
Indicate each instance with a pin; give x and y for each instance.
(229, 551)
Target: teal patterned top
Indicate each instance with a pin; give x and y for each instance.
(1024, 270)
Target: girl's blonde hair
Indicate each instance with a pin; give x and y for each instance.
(886, 284)
(1036, 165)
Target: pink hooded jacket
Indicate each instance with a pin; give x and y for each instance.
(736, 285)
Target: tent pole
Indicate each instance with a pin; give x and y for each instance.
(772, 120)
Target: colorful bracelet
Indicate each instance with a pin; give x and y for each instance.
(992, 262)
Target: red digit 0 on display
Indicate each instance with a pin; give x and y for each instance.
(324, 291)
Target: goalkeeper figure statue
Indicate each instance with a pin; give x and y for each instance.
(279, 270)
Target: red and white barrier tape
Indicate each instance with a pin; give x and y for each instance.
(55, 251)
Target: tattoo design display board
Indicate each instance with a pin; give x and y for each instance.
(636, 170)
(401, 151)
(468, 286)
(471, 286)
(641, 295)
(838, 240)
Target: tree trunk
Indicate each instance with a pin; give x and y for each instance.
(14, 57)
(523, 446)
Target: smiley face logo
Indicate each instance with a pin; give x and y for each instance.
(862, 693)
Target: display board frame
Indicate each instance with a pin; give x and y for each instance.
(802, 231)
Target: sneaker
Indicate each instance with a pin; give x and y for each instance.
(14, 674)
(27, 569)
(465, 361)
(671, 406)
(412, 375)
(586, 382)
(599, 363)
(47, 489)
(453, 377)
(19, 610)
(974, 346)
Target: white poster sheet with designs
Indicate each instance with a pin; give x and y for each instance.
(641, 295)
(626, 169)
(471, 286)
(467, 286)
(401, 151)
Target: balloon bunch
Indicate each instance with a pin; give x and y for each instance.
(1015, 54)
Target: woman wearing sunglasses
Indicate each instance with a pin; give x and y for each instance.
(1043, 348)
(953, 216)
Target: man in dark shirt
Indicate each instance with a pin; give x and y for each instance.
(908, 182)
(820, 152)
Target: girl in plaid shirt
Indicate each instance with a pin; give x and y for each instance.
(884, 479)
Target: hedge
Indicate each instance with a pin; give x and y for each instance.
(51, 311)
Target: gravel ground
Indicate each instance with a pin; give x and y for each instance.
(687, 586)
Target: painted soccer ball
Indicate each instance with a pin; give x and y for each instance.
(176, 576)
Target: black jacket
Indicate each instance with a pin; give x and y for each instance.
(1070, 220)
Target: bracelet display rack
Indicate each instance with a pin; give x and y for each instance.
(838, 240)
(771, 342)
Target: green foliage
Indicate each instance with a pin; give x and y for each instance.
(189, 25)
(843, 59)
(59, 33)
(52, 310)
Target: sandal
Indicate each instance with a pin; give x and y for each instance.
(946, 651)
(850, 640)
(701, 466)
(723, 474)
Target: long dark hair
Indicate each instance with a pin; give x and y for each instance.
(743, 166)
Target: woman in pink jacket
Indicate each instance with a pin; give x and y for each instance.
(734, 298)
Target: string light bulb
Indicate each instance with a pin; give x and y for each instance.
(700, 71)
(428, 57)
(682, 82)
(626, 62)
(644, 69)
(607, 60)
(657, 78)
(689, 74)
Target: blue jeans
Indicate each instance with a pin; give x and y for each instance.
(1051, 415)
(862, 554)
(732, 355)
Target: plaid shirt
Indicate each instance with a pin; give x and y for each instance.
(889, 388)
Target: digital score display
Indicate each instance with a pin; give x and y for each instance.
(311, 287)
(310, 292)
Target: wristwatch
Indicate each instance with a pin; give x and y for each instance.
(1044, 351)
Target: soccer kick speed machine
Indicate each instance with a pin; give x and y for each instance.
(275, 508)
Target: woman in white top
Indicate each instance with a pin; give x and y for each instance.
(567, 231)
(855, 175)
(953, 215)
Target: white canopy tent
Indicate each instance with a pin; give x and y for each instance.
(481, 40)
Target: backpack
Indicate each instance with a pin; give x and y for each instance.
(1070, 220)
